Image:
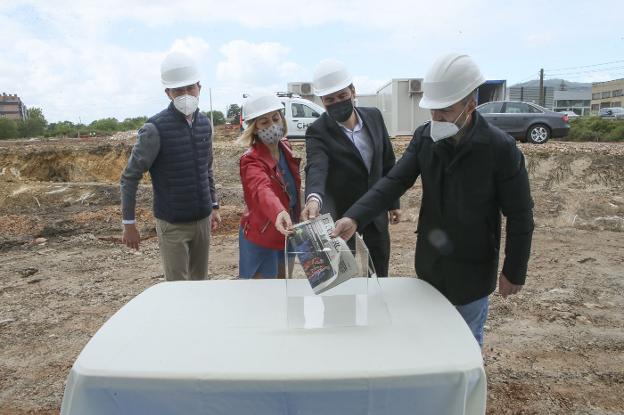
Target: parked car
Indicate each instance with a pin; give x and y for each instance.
(525, 121)
(570, 114)
(613, 112)
(299, 114)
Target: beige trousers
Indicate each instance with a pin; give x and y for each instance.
(184, 248)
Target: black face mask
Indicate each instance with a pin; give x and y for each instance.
(340, 111)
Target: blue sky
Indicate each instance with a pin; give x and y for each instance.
(84, 60)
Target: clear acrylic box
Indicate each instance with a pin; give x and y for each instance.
(356, 301)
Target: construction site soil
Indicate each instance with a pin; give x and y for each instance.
(555, 348)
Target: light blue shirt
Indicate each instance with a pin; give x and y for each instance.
(362, 141)
(359, 136)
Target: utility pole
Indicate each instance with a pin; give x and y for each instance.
(541, 88)
(211, 120)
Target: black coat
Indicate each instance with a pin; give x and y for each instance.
(465, 189)
(336, 171)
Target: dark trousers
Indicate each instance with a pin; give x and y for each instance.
(378, 244)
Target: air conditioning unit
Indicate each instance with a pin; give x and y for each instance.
(415, 86)
(300, 88)
(306, 88)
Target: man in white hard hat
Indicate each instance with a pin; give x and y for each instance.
(471, 172)
(175, 146)
(348, 150)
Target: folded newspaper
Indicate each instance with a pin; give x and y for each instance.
(326, 261)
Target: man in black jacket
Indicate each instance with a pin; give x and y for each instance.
(348, 150)
(471, 172)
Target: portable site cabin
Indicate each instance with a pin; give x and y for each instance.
(398, 102)
(366, 100)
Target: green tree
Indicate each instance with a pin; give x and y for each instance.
(105, 125)
(217, 117)
(62, 129)
(233, 112)
(34, 125)
(132, 123)
(8, 128)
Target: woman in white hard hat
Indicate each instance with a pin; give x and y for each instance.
(271, 185)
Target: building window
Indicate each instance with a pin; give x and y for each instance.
(595, 107)
(606, 94)
(617, 93)
(616, 104)
(605, 105)
(596, 95)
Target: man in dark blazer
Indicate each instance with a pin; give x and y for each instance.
(348, 150)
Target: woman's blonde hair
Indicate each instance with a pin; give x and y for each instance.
(248, 137)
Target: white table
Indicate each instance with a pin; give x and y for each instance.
(224, 347)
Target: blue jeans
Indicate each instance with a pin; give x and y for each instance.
(475, 314)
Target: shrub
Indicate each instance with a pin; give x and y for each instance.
(596, 129)
(8, 128)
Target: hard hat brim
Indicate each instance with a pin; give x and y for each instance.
(179, 84)
(250, 117)
(335, 88)
(436, 104)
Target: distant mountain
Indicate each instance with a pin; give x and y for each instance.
(557, 84)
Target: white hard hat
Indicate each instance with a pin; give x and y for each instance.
(260, 105)
(178, 69)
(451, 78)
(330, 76)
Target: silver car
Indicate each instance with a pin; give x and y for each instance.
(525, 121)
(613, 112)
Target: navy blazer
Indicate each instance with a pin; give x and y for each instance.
(336, 171)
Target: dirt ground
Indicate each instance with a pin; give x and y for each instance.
(556, 348)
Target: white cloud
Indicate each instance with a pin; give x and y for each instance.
(251, 68)
(61, 56)
(85, 81)
(194, 46)
(255, 64)
(366, 85)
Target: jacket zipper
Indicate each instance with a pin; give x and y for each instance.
(266, 225)
(191, 130)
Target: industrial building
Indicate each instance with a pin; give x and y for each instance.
(577, 101)
(12, 107)
(607, 95)
(532, 94)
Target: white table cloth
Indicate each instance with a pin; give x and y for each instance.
(224, 347)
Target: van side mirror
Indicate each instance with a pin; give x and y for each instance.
(315, 114)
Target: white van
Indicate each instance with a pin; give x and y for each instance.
(299, 113)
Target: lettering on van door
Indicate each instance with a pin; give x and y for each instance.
(300, 110)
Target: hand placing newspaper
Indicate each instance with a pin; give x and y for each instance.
(326, 261)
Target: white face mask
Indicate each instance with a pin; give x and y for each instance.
(186, 104)
(444, 129)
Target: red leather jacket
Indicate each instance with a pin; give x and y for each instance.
(265, 193)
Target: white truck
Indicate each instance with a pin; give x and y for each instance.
(299, 113)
